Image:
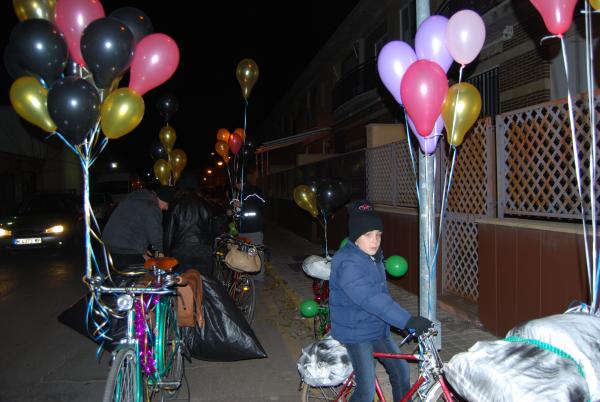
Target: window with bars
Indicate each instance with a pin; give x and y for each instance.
(488, 84)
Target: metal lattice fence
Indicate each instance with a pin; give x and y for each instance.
(471, 197)
(536, 173)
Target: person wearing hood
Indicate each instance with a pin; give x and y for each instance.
(361, 307)
(135, 226)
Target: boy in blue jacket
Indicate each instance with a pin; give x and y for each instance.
(362, 309)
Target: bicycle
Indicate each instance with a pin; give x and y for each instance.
(149, 358)
(239, 285)
(430, 386)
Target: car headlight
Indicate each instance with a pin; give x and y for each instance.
(4, 232)
(124, 302)
(55, 229)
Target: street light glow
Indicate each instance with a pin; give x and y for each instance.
(114, 165)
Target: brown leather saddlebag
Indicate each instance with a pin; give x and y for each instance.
(189, 299)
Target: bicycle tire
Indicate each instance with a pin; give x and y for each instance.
(436, 394)
(123, 381)
(313, 394)
(168, 346)
(243, 293)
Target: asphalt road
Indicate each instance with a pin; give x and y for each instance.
(43, 360)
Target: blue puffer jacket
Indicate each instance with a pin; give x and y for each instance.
(360, 304)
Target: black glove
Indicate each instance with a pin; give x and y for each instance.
(418, 325)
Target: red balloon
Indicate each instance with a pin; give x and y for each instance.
(155, 60)
(557, 14)
(72, 17)
(235, 142)
(423, 90)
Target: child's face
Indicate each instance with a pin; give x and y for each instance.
(369, 242)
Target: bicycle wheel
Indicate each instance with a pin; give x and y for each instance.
(168, 345)
(244, 294)
(321, 322)
(310, 393)
(123, 382)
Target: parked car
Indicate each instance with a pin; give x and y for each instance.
(43, 220)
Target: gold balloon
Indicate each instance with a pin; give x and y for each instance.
(223, 135)
(466, 106)
(222, 149)
(28, 97)
(178, 160)
(247, 74)
(595, 4)
(162, 171)
(241, 132)
(167, 137)
(121, 112)
(42, 9)
(306, 199)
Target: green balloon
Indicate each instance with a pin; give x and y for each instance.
(232, 229)
(396, 266)
(308, 308)
(343, 242)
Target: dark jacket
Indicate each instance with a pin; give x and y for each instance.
(188, 224)
(252, 213)
(134, 225)
(360, 304)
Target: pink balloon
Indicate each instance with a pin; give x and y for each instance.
(429, 143)
(71, 17)
(557, 14)
(393, 61)
(424, 88)
(154, 61)
(235, 143)
(465, 35)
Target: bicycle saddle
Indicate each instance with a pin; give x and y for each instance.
(164, 263)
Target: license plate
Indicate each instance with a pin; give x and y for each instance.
(33, 240)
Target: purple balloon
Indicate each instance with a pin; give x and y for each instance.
(428, 144)
(430, 41)
(393, 61)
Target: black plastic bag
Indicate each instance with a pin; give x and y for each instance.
(74, 317)
(226, 335)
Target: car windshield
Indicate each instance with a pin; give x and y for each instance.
(47, 204)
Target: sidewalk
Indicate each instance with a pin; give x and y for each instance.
(288, 250)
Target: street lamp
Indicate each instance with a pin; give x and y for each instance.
(114, 165)
(209, 171)
(219, 163)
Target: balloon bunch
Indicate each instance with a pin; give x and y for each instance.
(558, 16)
(322, 198)
(231, 142)
(168, 171)
(80, 107)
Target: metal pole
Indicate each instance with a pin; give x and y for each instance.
(427, 227)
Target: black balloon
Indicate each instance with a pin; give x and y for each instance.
(158, 151)
(135, 20)
(38, 47)
(74, 105)
(331, 195)
(11, 63)
(167, 105)
(107, 48)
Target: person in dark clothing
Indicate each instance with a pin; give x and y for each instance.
(361, 307)
(188, 233)
(136, 225)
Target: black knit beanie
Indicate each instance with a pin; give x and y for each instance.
(362, 218)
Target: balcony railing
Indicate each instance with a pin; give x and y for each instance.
(362, 79)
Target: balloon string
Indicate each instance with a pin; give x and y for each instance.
(242, 178)
(549, 37)
(576, 162)
(593, 157)
(412, 157)
(460, 73)
(325, 231)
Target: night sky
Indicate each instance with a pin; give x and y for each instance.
(281, 37)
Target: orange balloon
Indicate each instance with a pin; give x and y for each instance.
(222, 149)
(242, 133)
(223, 135)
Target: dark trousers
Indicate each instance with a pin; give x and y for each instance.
(122, 262)
(361, 355)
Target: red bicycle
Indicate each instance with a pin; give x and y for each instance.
(430, 386)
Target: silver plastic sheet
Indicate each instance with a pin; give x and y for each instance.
(324, 363)
(317, 267)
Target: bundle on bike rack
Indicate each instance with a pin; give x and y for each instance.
(317, 267)
(555, 358)
(243, 258)
(324, 363)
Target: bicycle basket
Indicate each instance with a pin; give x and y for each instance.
(317, 267)
(243, 258)
(324, 363)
